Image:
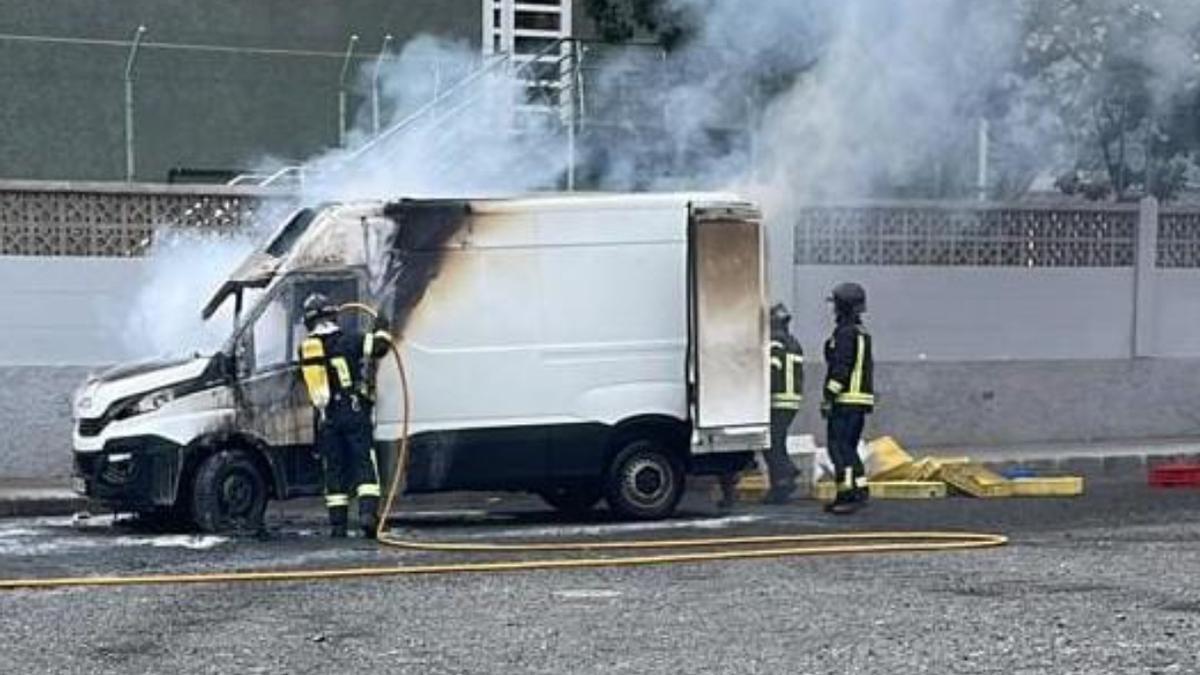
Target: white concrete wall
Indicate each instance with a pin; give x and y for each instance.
(65, 311)
(983, 313)
(1176, 312)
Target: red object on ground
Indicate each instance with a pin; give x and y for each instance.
(1175, 475)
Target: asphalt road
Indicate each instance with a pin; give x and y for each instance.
(1107, 583)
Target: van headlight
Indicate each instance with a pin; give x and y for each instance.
(152, 401)
(83, 399)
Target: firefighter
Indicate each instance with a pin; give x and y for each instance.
(848, 395)
(338, 369)
(787, 385)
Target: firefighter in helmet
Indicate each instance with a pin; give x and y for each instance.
(338, 368)
(849, 395)
(787, 385)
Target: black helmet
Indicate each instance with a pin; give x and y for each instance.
(849, 299)
(780, 316)
(316, 308)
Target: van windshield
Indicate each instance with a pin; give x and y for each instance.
(271, 318)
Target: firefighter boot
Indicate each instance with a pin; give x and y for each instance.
(781, 492)
(843, 504)
(368, 518)
(339, 517)
(862, 495)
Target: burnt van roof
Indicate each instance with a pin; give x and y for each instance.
(565, 201)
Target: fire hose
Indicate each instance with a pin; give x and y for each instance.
(649, 551)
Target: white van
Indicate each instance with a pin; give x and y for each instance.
(578, 347)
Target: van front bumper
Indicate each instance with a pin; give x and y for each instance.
(135, 472)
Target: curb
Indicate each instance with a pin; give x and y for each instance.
(1107, 467)
(30, 502)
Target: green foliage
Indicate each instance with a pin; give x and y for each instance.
(1103, 93)
(1121, 77)
(624, 20)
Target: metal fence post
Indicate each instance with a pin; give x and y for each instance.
(571, 65)
(342, 90)
(133, 50)
(981, 175)
(1144, 275)
(387, 40)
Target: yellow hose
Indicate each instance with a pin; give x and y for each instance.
(736, 548)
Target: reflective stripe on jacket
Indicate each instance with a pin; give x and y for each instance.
(787, 372)
(851, 375)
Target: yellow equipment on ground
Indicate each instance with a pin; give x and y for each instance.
(891, 463)
(895, 474)
(825, 491)
(1062, 486)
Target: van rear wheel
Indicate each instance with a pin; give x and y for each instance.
(645, 481)
(229, 493)
(573, 500)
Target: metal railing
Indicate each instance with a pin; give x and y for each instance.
(531, 99)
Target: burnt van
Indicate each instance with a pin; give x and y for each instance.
(585, 348)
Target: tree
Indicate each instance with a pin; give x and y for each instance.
(623, 20)
(1120, 77)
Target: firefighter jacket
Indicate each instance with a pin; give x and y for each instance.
(850, 380)
(787, 371)
(337, 365)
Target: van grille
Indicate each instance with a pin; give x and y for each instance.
(91, 427)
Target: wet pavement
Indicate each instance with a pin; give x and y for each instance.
(1105, 583)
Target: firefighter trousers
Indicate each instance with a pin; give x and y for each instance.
(351, 469)
(781, 471)
(845, 427)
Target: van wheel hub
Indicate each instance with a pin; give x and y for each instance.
(238, 493)
(644, 481)
(647, 481)
(228, 492)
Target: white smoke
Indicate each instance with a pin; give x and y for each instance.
(182, 270)
(874, 98)
(466, 143)
(894, 87)
(787, 101)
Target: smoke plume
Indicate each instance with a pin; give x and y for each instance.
(789, 102)
(183, 268)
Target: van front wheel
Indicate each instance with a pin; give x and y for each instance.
(645, 482)
(229, 493)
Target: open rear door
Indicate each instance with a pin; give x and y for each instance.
(729, 352)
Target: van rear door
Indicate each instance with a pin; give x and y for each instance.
(729, 349)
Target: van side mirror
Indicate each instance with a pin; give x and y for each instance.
(221, 365)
